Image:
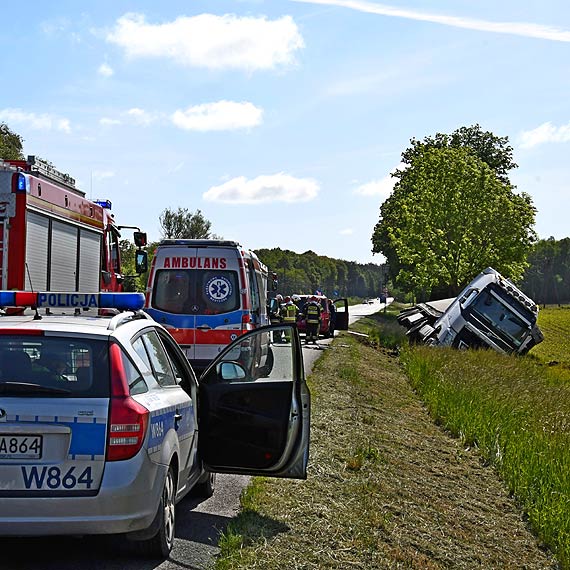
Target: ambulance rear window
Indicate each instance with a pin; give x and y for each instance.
(78, 368)
(196, 291)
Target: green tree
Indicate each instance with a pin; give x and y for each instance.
(10, 144)
(449, 217)
(492, 150)
(183, 224)
(134, 282)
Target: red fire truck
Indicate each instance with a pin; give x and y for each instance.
(51, 236)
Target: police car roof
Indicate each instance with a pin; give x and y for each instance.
(78, 324)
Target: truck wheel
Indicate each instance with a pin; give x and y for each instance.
(160, 545)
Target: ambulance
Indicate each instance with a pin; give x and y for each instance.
(207, 293)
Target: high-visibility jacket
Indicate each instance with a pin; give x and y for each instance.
(289, 311)
(313, 313)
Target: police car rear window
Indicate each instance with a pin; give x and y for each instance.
(53, 366)
(196, 291)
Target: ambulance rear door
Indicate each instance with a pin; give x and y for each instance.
(171, 294)
(220, 295)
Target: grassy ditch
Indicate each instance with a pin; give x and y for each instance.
(517, 413)
(387, 487)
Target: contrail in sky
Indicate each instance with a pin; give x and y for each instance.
(514, 28)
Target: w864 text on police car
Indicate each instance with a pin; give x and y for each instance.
(107, 413)
(53, 478)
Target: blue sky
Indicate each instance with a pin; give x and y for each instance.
(281, 120)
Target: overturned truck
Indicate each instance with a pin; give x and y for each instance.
(491, 312)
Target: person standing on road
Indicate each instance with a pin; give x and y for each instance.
(332, 318)
(312, 320)
(275, 317)
(289, 312)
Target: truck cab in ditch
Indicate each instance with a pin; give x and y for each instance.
(491, 312)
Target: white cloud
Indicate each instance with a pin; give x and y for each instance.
(43, 121)
(271, 188)
(218, 116)
(381, 188)
(525, 29)
(545, 133)
(105, 70)
(102, 174)
(106, 121)
(211, 41)
(346, 232)
(141, 117)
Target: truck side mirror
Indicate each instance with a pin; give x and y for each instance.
(140, 239)
(141, 261)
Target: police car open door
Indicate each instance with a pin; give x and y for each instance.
(254, 407)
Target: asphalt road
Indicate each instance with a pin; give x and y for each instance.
(198, 525)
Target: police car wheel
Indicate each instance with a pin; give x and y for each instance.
(205, 487)
(160, 545)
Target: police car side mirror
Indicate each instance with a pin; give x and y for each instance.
(141, 261)
(231, 371)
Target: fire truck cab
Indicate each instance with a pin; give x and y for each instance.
(51, 236)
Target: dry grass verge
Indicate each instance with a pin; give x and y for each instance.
(387, 488)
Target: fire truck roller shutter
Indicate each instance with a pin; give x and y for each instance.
(36, 252)
(89, 260)
(63, 257)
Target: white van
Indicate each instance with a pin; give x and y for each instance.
(206, 293)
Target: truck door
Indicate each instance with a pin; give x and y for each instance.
(254, 411)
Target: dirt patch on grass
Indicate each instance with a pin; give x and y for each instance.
(386, 488)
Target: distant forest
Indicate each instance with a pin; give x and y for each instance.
(546, 281)
(305, 273)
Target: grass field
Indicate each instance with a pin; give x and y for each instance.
(554, 351)
(388, 487)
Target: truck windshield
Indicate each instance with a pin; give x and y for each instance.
(196, 291)
(499, 315)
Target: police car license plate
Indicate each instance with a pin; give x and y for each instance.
(20, 446)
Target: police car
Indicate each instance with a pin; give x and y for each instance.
(104, 426)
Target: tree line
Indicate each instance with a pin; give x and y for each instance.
(547, 278)
(307, 273)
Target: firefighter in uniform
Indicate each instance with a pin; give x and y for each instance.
(275, 317)
(289, 313)
(312, 320)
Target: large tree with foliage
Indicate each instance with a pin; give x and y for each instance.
(10, 144)
(451, 215)
(183, 224)
(492, 150)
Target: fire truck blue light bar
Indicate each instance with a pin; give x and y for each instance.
(21, 182)
(105, 203)
(74, 300)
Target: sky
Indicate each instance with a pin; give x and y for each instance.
(281, 120)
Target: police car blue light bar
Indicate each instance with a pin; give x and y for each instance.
(73, 300)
